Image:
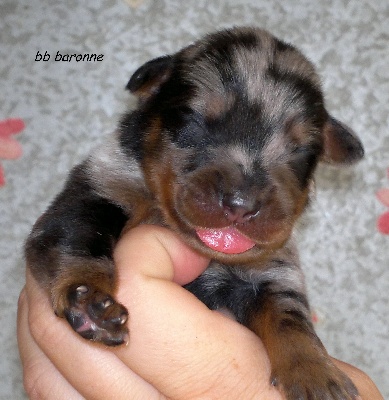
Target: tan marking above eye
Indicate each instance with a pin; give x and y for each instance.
(274, 149)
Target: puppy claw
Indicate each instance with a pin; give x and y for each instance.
(123, 319)
(82, 289)
(108, 303)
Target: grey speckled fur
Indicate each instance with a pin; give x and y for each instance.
(68, 107)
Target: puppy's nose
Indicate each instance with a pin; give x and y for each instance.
(239, 208)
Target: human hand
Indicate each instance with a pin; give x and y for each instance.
(178, 348)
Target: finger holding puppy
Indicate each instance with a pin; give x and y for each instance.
(42, 380)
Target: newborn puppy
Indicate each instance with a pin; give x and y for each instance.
(221, 149)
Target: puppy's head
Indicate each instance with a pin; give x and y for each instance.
(231, 130)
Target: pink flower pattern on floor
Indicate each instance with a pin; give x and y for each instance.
(383, 220)
(10, 149)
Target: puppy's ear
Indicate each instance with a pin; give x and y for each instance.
(341, 144)
(146, 80)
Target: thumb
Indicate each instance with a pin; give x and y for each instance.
(157, 252)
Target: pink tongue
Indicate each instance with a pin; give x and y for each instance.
(226, 240)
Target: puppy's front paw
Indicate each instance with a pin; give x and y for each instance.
(96, 315)
(314, 380)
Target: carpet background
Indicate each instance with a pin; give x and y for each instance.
(69, 107)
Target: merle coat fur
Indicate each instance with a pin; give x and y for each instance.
(226, 135)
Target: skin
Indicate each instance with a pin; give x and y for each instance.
(178, 349)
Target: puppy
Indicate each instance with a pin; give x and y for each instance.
(221, 148)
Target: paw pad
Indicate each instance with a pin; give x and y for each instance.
(96, 315)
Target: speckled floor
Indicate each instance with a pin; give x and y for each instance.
(68, 107)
